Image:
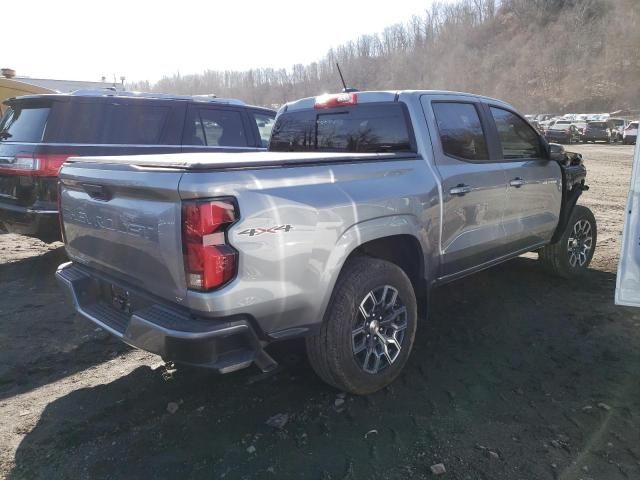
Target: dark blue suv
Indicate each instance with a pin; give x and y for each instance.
(38, 132)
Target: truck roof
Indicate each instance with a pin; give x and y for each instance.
(370, 96)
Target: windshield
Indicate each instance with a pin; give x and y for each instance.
(364, 128)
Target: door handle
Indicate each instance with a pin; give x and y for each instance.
(460, 190)
(517, 182)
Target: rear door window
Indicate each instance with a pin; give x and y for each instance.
(364, 128)
(517, 137)
(24, 124)
(215, 127)
(460, 130)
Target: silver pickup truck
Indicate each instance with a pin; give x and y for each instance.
(365, 202)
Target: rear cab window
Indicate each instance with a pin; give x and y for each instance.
(24, 122)
(365, 128)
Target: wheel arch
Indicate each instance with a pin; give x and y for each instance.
(397, 239)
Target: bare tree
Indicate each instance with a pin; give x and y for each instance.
(538, 54)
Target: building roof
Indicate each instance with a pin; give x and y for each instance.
(64, 86)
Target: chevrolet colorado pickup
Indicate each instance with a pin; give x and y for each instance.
(363, 204)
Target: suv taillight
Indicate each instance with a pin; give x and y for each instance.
(60, 222)
(38, 164)
(209, 262)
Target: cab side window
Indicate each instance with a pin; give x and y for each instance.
(517, 137)
(460, 130)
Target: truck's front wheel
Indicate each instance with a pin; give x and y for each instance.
(369, 327)
(571, 255)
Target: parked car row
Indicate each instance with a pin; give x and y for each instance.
(575, 128)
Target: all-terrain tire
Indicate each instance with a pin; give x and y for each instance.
(332, 351)
(568, 257)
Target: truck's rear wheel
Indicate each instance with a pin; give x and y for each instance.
(571, 255)
(369, 327)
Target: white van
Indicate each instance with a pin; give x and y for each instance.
(628, 281)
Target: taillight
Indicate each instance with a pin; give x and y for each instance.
(336, 100)
(38, 165)
(209, 262)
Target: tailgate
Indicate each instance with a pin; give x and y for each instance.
(124, 220)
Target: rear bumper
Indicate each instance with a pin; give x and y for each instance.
(42, 224)
(224, 345)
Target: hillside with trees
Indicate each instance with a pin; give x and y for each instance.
(540, 55)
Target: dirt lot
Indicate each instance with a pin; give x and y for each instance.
(516, 375)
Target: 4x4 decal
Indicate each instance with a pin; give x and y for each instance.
(259, 231)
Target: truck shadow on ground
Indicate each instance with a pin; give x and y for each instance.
(508, 362)
(41, 337)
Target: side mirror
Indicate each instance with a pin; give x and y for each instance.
(557, 152)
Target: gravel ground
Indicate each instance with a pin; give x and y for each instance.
(515, 375)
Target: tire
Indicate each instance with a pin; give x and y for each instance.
(570, 256)
(349, 344)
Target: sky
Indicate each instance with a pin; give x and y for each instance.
(144, 40)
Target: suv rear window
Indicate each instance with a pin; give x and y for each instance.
(99, 122)
(24, 123)
(597, 124)
(360, 129)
